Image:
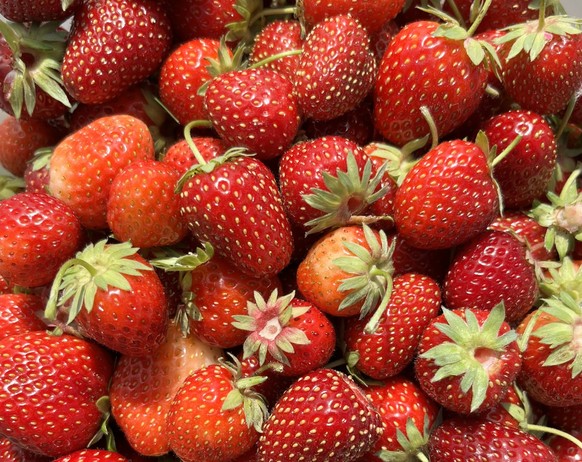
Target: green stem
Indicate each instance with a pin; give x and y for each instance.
(263, 13)
(506, 151)
(542, 17)
(479, 18)
(188, 137)
(434, 133)
(555, 431)
(275, 57)
(567, 115)
(337, 363)
(457, 13)
(374, 321)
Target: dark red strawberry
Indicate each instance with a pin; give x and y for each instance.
(566, 450)
(37, 11)
(93, 455)
(20, 313)
(100, 61)
(11, 452)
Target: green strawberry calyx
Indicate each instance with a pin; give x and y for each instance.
(372, 276)
(399, 160)
(565, 277)
(469, 350)
(98, 267)
(268, 325)
(347, 195)
(104, 431)
(10, 185)
(412, 441)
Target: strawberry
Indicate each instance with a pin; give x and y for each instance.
(323, 416)
(5, 286)
(272, 388)
(564, 418)
(415, 300)
(524, 174)
(114, 296)
(542, 63)
(21, 138)
(492, 268)
(50, 385)
(142, 389)
(215, 416)
(85, 162)
(101, 62)
(461, 439)
(401, 402)
(371, 14)
(182, 74)
(92, 455)
(142, 206)
(181, 156)
(39, 233)
(36, 174)
(566, 450)
(336, 70)
(467, 359)
(34, 11)
(289, 331)
(423, 52)
(253, 108)
(459, 197)
(551, 370)
(254, 234)
(19, 314)
(11, 452)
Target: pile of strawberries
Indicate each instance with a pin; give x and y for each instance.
(237, 230)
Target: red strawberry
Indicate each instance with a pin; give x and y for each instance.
(461, 439)
(524, 174)
(36, 174)
(11, 452)
(415, 300)
(92, 455)
(181, 156)
(459, 198)
(142, 206)
(564, 418)
(371, 14)
(49, 388)
(5, 286)
(289, 331)
(182, 74)
(214, 416)
(101, 62)
(21, 138)
(234, 203)
(323, 416)
(551, 373)
(336, 70)
(254, 108)
(492, 268)
(19, 313)
(272, 388)
(142, 389)
(85, 162)
(467, 359)
(440, 76)
(37, 11)
(39, 233)
(114, 296)
(566, 450)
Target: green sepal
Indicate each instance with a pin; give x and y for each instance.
(412, 441)
(226, 61)
(66, 4)
(399, 160)
(185, 262)
(10, 185)
(240, 30)
(451, 31)
(104, 406)
(566, 277)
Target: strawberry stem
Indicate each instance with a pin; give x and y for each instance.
(275, 57)
(188, 137)
(506, 151)
(263, 13)
(457, 13)
(479, 18)
(542, 16)
(554, 431)
(374, 321)
(434, 133)
(567, 115)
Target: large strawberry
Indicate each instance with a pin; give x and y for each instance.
(142, 389)
(114, 296)
(37, 11)
(85, 162)
(39, 233)
(447, 198)
(233, 202)
(49, 389)
(102, 61)
(323, 416)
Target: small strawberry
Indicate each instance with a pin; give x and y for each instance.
(36, 175)
(49, 389)
(84, 164)
(11, 452)
(39, 233)
(459, 197)
(142, 207)
(114, 296)
(101, 62)
(142, 389)
(461, 439)
(467, 359)
(289, 331)
(19, 313)
(336, 70)
(92, 455)
(323, 416)
(35, 11)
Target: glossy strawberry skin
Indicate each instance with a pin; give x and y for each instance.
(524, 174)
(68, 375)
(500, 14)
(142, 389)
(255, 109)
(18, 314)
(39, 233)
(93, 455)
(356, 125)
(182, 73)
(11, 452)
(458, 197)
(462, 439)
(414, 301)
(491, 268)
(181, 157)
(326, 403)
(336, 69)
(238, 209)
(85, 162)
(566, 450)
(419, 69)
(36, 11)
(127, 54)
